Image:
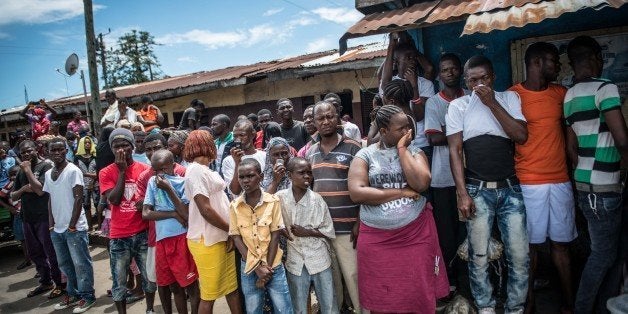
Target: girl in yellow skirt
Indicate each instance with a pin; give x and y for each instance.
(208, 224)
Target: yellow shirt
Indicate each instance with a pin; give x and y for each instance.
(255, 225)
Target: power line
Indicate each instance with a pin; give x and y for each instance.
(333, 3)
(29, 47)
(30, 54)
(297, 5)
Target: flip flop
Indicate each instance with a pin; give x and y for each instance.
(55, 293)
(39, 290)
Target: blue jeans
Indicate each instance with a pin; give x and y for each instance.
(277, 289)
(323, 285)
(505, 204)
(75, 262)
(603, 214)
(121, 251)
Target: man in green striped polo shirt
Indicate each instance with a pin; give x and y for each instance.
(597, 138)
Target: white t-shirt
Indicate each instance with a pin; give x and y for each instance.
(62, 197)
(131, 116)
(470, 116)
(352, 131)
(220, 150)
(228, 164)
(435, 112)
(110, 114)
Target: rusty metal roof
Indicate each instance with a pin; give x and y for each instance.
(235, 75)
(480, 15)
(533, 12)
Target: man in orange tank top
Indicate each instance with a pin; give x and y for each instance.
(541, 167)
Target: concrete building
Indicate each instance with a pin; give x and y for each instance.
(244, 89)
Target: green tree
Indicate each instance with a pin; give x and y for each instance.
(133, 61)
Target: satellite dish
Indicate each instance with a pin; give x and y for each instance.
(71, 64)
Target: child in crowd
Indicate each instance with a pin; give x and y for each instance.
(165, 202)
(310, 226)
(14, 208)
(255, 224)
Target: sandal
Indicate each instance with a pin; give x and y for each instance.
(55, 293)
(39, 290)
(24, 264)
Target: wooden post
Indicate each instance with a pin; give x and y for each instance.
(90, 41)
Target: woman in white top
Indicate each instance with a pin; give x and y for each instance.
(208, 224)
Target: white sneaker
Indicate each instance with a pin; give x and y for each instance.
(486, 310)
(519, 311)
(83, 305)
(67, 302)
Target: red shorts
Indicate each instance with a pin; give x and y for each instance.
(174, 263)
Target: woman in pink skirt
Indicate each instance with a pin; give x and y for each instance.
(400, 266)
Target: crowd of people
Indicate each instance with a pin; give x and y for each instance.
(264, 212)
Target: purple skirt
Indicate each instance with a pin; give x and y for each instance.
(401, 270)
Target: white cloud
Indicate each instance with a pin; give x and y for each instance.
(40, 11)
(213, 40)
(261, 33)
(187, 59)
(209, 39)
(4, 35)
(272, 11)
(301, 21)
(63, 36)
(264, 34)
(338, 15)
(320, 44)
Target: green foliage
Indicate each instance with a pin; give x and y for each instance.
(133, 61)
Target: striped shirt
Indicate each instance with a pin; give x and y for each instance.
(331, 173)
(585, 105)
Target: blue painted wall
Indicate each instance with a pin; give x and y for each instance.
(496, 44)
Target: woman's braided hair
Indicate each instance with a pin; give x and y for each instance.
(384, 114)
(398, 90)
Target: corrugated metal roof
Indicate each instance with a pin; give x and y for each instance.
(517, 16)
(378, 23)
(448, 9)
(234, 75)
(481, 15)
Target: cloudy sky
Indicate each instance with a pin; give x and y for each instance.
(36, 36)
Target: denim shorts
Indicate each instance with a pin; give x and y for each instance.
(18, 228)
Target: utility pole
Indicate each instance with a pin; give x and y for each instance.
(103, 58)
(90, 40)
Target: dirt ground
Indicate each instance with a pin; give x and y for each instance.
(15, 285)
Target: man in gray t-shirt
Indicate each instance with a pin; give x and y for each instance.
(191, 116)
(451, 232)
